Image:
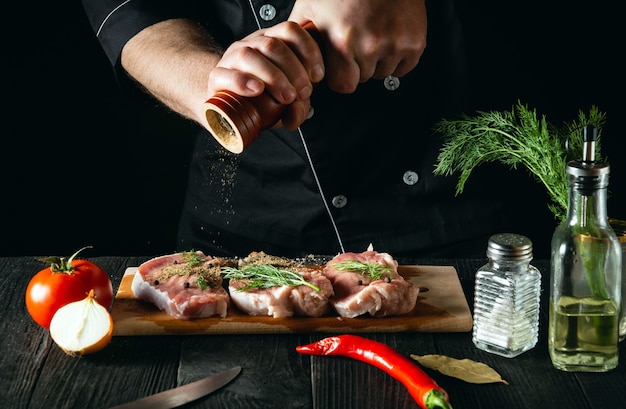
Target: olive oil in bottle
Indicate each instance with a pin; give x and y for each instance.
(585, 294)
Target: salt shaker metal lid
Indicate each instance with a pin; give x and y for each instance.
(509, 246)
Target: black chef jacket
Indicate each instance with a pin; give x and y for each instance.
(358, 172)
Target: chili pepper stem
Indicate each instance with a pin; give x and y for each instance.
(436, 399)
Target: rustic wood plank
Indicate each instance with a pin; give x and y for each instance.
(534, 382)
(35, 373)
(350, 384)
(273, 374)
(25, 345)
(125, 370)
(441, 307)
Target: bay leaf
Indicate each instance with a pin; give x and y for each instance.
(464, 369)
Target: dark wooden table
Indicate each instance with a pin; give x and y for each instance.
(35, 373)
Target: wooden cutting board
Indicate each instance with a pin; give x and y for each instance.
(441, 307)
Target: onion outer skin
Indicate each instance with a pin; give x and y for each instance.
(82, 327)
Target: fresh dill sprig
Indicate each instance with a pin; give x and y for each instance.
(372, 270)
(516, 137)
(202, 283)
(265, 276)
(190, 257)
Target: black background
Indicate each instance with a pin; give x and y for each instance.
(83, 165)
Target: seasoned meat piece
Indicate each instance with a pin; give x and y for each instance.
(185, 285)
(369, 282)
(281, 290)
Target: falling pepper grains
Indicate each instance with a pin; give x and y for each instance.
(156, 282)
(186, 285)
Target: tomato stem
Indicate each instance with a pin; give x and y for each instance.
(61, 264)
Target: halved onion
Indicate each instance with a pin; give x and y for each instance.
(82, 327)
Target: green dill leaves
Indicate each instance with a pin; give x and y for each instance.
(374, 271)
(190, 257)
(202, 283)
(262, 276)
(516, 137)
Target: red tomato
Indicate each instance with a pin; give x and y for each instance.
(63, 282)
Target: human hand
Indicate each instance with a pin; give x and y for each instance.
(366, 39)
(283, 60)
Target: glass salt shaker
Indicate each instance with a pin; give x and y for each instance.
(506, 299)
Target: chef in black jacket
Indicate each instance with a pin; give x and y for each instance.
(353, 164)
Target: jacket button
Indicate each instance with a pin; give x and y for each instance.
(410, 177)
(391, 83)
(339, 201)
(267, 12)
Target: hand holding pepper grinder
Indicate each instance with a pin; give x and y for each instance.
(236, 121)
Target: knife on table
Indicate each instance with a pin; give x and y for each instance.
(181, 395)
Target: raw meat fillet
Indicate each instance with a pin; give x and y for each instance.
(185, 285)
(369, 282)
(279, 300)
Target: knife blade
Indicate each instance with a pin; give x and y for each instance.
(181, 395)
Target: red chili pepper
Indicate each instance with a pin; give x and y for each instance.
(422, 387)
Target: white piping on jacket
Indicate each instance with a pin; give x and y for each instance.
(109, 15)
(310, 160)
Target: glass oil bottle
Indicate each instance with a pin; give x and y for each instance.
(585, 287)
(506, 299)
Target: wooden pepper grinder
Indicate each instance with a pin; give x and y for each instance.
(237, 121)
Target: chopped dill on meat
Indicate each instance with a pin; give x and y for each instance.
(374, 271)
(190, 257)
(203, 284)
(265, 276)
